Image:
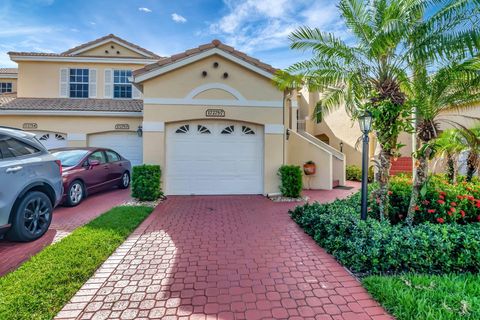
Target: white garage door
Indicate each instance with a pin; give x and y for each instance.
(214, 157)
(128, 144)
(51, 140)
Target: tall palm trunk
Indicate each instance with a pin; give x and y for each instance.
(383, 178)
(472, 164)
(419, 180)
(451, 168)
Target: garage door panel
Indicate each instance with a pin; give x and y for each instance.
(214, 163)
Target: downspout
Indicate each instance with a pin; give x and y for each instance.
(286, 96)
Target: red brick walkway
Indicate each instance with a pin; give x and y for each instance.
(221, 257)
(65, 220)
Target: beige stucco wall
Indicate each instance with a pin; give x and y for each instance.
(112, 52)
(178, 83)
(76, 125)
(13, 81)
(42, 79)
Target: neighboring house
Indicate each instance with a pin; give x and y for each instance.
(8, 80)
(210, 116)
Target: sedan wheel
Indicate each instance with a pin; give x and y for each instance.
(125, 181)
(75, 193)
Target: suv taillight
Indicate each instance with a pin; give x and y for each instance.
(59, 163)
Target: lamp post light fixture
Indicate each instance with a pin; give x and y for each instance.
(365, 122)
(341, 146)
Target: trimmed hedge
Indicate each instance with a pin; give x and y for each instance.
(146, 182)
(291, 181)
(353, 173)
(372, 246)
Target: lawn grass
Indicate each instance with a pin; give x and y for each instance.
(45, 283)
(427, 297)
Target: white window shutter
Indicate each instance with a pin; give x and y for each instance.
(63, 83)
(108, 93)
(136, 94)
(92, 83)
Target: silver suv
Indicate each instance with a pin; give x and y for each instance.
(30, 185)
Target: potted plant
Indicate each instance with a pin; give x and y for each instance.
(309, 168)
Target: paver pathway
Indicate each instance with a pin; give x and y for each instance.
(221, 257)
(65, 220)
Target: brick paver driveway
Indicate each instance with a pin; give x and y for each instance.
(221, 257)
(64, 221)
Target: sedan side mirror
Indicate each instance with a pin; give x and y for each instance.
(93, 162)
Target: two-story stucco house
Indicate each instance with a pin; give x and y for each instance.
(211, 116)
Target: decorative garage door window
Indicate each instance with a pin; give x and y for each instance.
(183, 129)
(228, 130)
(57, 136)
(203, 129)
(247, 130)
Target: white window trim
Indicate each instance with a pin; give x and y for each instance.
(87, 83)
(113, 83)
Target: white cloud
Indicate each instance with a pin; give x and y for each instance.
(252, 25)
(144, 9)
(178, 18)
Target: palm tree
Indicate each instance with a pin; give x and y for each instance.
(454, 87)
(471, 142)
(370, 70)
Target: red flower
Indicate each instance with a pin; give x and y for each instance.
(442, 202)
(441, 197)
(416, 208)
(462, 213)
(440, 220)
(431, 210)
(477, 204)
(443, 193)
(460, 197)
(471, 198)
(452, 209)
(478, 218)
(453, 204)
(426, 202)
(390, 193)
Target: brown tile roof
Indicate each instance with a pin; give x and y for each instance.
(8, 70)
(202, 48)
(111, 36)
(65, 104)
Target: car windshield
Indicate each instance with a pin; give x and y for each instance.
(70, 158)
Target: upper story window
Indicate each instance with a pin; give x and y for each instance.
(122, 88)
(5, 87)
(78, 83)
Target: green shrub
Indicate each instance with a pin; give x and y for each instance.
(354, 173)
(378, 247)
(146, 182)
(291, 181)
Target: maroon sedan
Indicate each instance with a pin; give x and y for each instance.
(88, 170)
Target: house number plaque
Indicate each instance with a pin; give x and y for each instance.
(30, 126)
(215, 113)
(122, 126)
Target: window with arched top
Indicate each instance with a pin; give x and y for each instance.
(183, 129)
(247, 130)
(203, 129)
(228, 130)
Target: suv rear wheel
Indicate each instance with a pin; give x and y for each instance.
(31, 217)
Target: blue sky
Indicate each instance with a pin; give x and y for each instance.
(257, 27)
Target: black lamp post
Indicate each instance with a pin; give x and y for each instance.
(365, 122)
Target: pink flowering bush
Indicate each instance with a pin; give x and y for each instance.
(441, 202)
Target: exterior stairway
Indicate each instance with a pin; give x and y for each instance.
(338, 157)
(401, 165)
